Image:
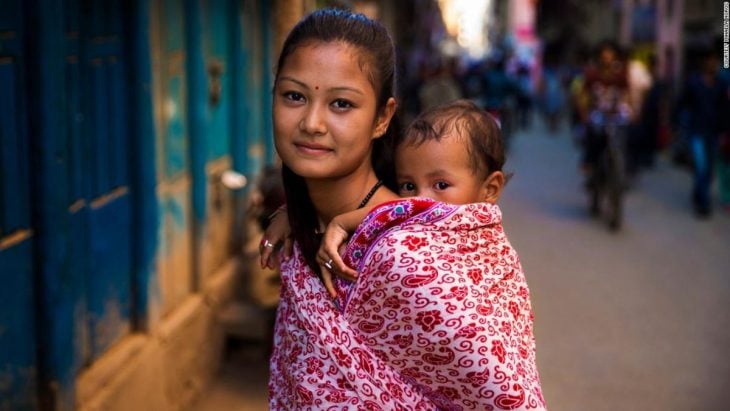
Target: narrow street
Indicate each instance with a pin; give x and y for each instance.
(637, 320)
(634, 320)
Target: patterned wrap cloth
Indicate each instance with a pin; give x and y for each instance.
(439, 318)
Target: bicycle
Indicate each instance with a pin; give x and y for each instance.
(608, 178)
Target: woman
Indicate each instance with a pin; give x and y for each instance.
(333, 103)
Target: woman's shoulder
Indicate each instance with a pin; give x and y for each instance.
(397, 212)
(426, 214)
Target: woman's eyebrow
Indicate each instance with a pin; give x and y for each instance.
(344, 88)
(293, 80)
(304, 85)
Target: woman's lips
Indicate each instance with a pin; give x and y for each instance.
(312, 149)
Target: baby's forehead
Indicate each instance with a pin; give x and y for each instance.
(449, 137)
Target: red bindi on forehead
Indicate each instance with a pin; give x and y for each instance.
(316, 87)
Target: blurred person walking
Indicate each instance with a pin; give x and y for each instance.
(702, 100)
(550, 91)
(605, 88)
(641, 141)
(439, 85)
(723, 164)
(498, 91)
(653, 118)
(524, 97)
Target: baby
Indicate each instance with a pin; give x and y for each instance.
(452, 153)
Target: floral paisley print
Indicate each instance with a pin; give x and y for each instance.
(439, 318)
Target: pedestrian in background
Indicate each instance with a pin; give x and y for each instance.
(702, 97)
(723, 164)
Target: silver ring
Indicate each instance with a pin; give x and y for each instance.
(268, 244)
(328, 264)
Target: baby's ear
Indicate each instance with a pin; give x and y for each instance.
(492, 187)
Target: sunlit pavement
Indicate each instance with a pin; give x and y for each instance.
(634, 320)
(241, 382)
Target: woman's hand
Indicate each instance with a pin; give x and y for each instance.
(328, 256)
(276, 239)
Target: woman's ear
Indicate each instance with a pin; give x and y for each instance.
(383, 120)
(492, 187)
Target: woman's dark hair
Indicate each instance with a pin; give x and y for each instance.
(467, 120)
(372, 38)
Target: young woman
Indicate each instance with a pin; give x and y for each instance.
(427, 328)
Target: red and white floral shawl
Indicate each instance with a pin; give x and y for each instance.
(439, 318)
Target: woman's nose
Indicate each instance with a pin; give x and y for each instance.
(313, 121)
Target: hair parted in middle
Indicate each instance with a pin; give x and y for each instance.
(378, 60)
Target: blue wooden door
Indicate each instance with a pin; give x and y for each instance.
(173, 163)
(18, 364)
(217, 51)
(218, 17)
(102, 156)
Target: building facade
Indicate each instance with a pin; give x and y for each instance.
(118, 120)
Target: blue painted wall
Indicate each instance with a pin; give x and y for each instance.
(79, 212)
(18, 361)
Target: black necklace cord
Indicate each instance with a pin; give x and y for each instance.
(370, 194)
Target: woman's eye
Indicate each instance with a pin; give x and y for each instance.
(342, 104)
(442, 185)
(407, 187)
(293, 96)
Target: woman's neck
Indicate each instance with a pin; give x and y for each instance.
(333, 197)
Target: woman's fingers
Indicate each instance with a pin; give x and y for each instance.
(341, 269)
(327, 280)
(334, 265)
(266, 248)
(288, 247)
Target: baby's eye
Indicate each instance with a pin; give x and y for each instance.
(441, 185)
(406, 187)
(342, 104)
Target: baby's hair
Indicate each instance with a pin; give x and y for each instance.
(466, 120)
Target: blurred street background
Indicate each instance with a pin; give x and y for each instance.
(138, 169)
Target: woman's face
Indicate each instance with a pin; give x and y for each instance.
(324, 111)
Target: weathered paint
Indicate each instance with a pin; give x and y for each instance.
(239, 116)
(175, 268)
(254, 67)
(109, 278)
(14, 195)
(196, 109)
(173, 187)
(267, 82)
(214, 245)
(17, 332)
(145, 221)
(171, 53)
(216, 52)
(79, 122)
(97, 201)
(57, 287)
(237, 64)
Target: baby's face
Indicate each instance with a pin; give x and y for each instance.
(439, 170)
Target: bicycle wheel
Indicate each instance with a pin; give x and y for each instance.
(614, 183)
